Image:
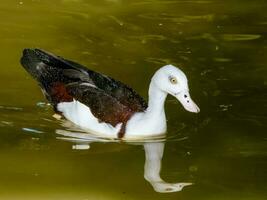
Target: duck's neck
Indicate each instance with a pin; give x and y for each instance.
(156, 102)
(153, 120)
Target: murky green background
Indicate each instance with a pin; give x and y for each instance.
(221, 46)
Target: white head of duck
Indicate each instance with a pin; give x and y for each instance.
(171, 80)
(167, 80)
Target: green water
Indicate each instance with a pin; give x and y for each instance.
(221, 46)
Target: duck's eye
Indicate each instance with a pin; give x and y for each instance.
(173, 80)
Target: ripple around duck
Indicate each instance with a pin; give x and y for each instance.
(72, 133)
(85, 137)
(240, 37)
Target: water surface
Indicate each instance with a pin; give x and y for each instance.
(220, 45)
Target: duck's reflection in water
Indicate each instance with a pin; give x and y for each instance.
(154, 153)
(154, 150)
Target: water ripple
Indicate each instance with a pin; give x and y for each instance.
(32, 130)
(10, 108)
(175, 18)
(170, 2)
(240, 37)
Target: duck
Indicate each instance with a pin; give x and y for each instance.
(102, 105)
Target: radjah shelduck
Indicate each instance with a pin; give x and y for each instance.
(101, 105)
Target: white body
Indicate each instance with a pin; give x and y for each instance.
(82, 116)
(152, 122)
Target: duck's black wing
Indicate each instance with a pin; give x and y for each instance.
(62, 81)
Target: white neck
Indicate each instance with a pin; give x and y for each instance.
(156, 100)
(153, 120)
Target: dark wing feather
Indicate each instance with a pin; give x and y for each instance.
(103, 106)
(62, 81)
(123, 93)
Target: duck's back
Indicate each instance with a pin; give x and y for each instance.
(62, 80)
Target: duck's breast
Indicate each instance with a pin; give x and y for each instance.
(82, 116)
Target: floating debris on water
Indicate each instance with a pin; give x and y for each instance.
(57, 116)
(81, 146)
(225, 107)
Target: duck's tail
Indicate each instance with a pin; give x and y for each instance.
(47, 69)
(40, 63)
(53, 73)
(41, 66)
(30, 61)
